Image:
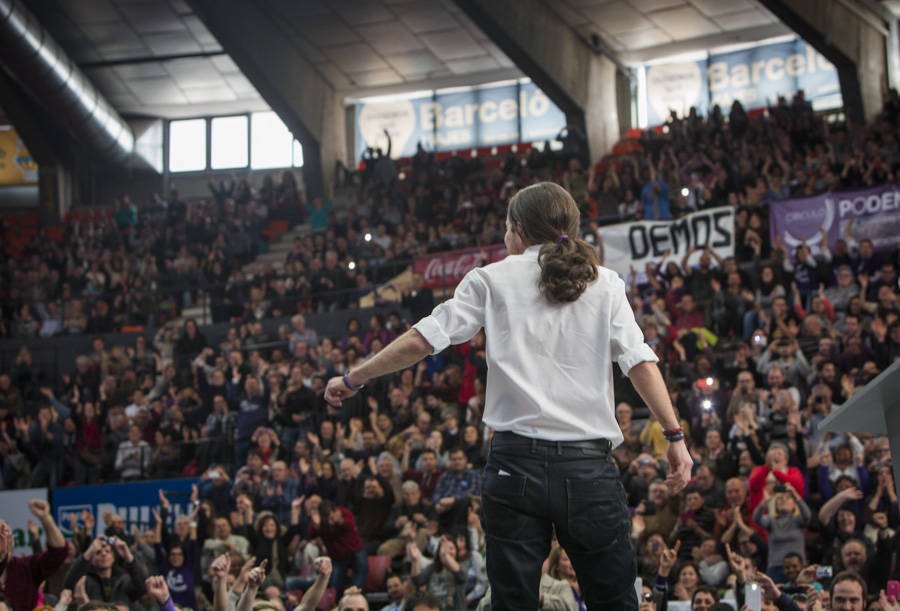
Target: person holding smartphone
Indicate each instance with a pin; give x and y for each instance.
(784, 515)
(555, 321)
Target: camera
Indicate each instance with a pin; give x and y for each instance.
(824, 572)
(780, 488)
(110, 541)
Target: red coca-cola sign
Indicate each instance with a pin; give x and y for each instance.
(448, 268)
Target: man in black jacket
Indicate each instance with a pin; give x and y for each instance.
(406, 522)
(106, 579)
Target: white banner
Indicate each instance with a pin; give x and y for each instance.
(635, 244)
(14, 511)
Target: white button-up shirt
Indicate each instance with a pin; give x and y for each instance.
(549, 365)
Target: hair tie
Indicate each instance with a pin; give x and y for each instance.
(561, 238)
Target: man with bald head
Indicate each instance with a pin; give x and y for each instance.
(875, 569)
(736, 495)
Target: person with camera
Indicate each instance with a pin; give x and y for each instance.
(784, 515)
(112, 573)
(20, 577)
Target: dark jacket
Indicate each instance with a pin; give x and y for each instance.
(126, 583)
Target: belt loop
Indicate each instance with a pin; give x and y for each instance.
(559, 448)
(534, 446)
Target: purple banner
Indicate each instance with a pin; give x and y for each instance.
(860, 214)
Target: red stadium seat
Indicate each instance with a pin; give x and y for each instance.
(378, 566)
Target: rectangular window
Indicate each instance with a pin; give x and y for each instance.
(228, 142)
(298, 154)
(271, 143)
(187, 145)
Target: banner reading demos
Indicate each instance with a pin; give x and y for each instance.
(872, 214)
(633, 245)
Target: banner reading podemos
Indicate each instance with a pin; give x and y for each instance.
(872, 214)
(134, 502)
(628, 245)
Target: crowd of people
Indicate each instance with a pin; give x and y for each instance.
(757, 349)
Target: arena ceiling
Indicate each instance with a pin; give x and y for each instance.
(157, 58)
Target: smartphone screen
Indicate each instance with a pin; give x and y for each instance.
(753, 596)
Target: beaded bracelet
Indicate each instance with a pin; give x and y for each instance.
(674, 435)
(349, 385)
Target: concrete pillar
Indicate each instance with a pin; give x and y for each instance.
(851, 37)
(578, 80)
(291, 85)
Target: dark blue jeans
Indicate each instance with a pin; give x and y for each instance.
(532, 487)
(359, 562)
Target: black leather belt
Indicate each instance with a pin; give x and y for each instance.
(510, 438)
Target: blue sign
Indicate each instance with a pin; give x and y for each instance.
(458, 119)
(756, 77)
(134, 502)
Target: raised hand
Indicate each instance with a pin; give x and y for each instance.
(667, 559)
(220, 567)
(157, 588)
(257, 575)
(163, 501)
(79, 594)
(40, 509)
(245, 569)
(323, 566)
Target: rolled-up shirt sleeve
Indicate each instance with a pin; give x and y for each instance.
(458, 319)
(626, 337)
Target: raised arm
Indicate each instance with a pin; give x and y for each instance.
(314, 594)
(41, 510)
(406, 350)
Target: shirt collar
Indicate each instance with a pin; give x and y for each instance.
(532, 251)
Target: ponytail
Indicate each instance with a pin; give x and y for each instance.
(568, 266)
(547, 215)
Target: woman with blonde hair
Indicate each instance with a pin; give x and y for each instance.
(559, 585)
(784, 515)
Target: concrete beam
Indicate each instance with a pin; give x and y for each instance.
(852, 38)
(291, 85)
(581, 82)
(704, 43)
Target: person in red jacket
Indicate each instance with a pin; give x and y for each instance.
(335, 526)
(775, 471)
(20, 577)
